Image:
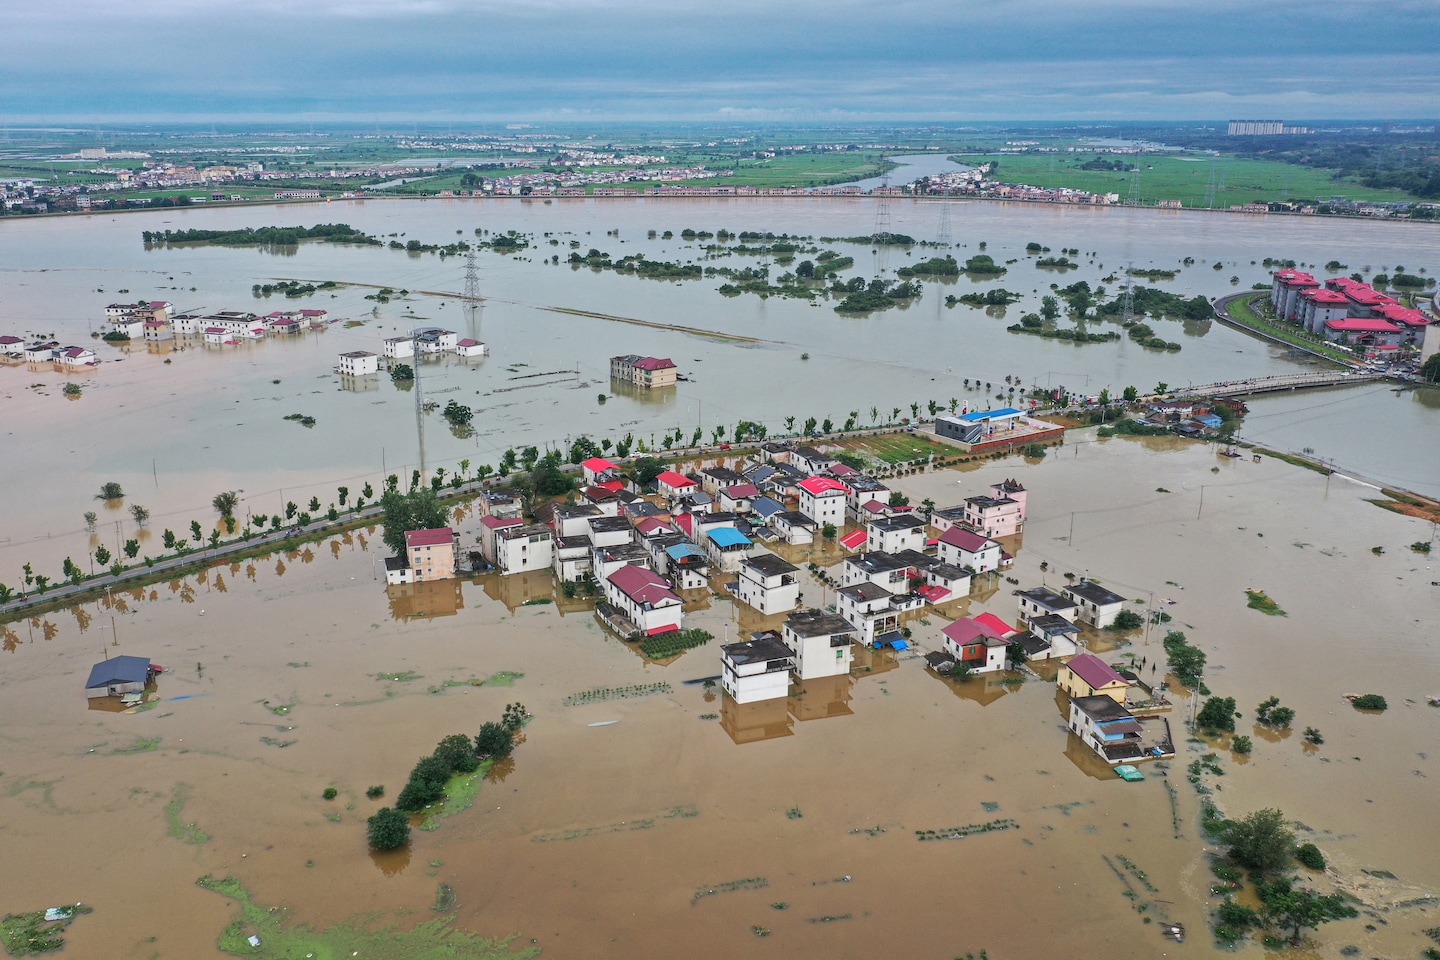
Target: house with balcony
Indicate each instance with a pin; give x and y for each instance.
(896, 533)
(964, 548)
(687, 565)
(715, 479)
(605, 499)
(1044, 602)
(1107, 728)
(672, 486)
(976, 644)
(867, 498)
(727, 547)
(944, 582)
(647, 373)
(1097, 606)
(573, 519)
(885, 570)
(608, 531)
(820, 642)
(606, 560)
(873, 611)
(598, 470)
(794, 527)
(768, 583)
(757, 669)
(645, 598)
(1086, 675)
(823, 500)
(1001, 514)
(1050, 637)
(810, 461)
(432, 340)
(524, 547)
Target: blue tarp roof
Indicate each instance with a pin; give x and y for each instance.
(990, 414)
(1210, 420)
(892, 639)
(684, 550)
(119, 670)
(726, 537)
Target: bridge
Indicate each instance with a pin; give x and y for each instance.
(1279, 382)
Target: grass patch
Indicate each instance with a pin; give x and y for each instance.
(729, 886)
(175, 825)
(283, 939)
(402, 676)
(139, 745)
(896, 448)
(1293, 460)
(674, 643)
(462, 789)
(960, 833)
(1258, 600)
(1242, 311)
(503, 678)
(30, 934)
(273, 742)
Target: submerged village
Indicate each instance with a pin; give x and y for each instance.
(772, 572)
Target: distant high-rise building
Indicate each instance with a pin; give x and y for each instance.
(1262, 128)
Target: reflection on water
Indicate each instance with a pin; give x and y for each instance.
(425, 601)
(1087, 761)
(821, 698)
(392, 862)
(517, 589)
(751, 722)
(982, 688)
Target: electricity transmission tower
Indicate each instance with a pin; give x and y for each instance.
(419, 398)
(943, 234)
(1127, 312)
(1210, 187)
(472, 297)
(1133, 197)
(882, 210)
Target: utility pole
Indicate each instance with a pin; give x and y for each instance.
(419, 400)
(1202, 502)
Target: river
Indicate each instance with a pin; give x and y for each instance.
(175, 428)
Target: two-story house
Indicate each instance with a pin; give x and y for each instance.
(768, 583)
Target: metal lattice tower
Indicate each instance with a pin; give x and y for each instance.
(882, 210)
(1127, 312)
(1210, 187)
(419, 399)
(943, 234)
(1133, 197)
(472, 296)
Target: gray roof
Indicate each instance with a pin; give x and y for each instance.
(609, 524)
(769, 565)
(1046, 598)
(877, 561)
(1094, 593)
(796, 518)
(1050, 624)
(761, 648)
(121, 669)
(865, 590)
(1100, 708)
(817, 623)
(948, 571)
(767, 506)
(904, 521)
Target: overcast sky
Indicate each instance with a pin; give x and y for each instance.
(786, 60)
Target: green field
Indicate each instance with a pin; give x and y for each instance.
(1183, 178)
(898, 447)
(791, 171)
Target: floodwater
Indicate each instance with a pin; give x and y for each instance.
(174, 428)
(678, 829)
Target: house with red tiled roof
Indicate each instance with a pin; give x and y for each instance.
(429, 555)
(1086, 675)
(975, 644)
(1364, 331)
(598, 470)
(648, 373)
(645, 598)
(965, 548)
(672, 485)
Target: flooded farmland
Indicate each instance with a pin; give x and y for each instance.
(669, 822)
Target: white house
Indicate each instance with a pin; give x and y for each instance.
(768, 583)
(1107, 728)
(572, 558)
(436, 340)
(727, 547)
(758, 669)
(644, 597)
(793, 526)
(1050, 637)
(1098, 606)
(598, 470)
(820, 643)
(1044, 602)
(524, 547)
(471, 348)
(810, 460)
(966, 549)
(606, 560)
(1001, 514)
(738, 497)
(893, 534)
(610, 531)
(217, 336)
(358, 363)
(573, 519)
(885, 570)
(822, 499)
(673, 486)
(76, 357)
(944, 582)
(872, 610)
(715, 479)
(865, 492)
(687, 565)
(398, 348)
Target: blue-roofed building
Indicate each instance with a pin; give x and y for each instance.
(118, 676)
(689, 565)
(726, 547)
(978, 426)
(1210, 420)
(766, 507)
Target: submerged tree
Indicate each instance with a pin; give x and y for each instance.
(225, 502)
(110, 491)
(388, 829)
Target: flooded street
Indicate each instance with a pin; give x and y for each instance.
(659, 834)
(175, 428)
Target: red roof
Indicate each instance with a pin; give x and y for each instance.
(686, 522)
(214, 329)
(663, 628)
(819, 485)
(651, 524)
(641, 585)
(842, 470)
(1325, 296)
(423, 538)
(655, 363)
(495, 523)
(854, 540)
(614, 486)
(1362, 325)
(467, 342)
(966, 631)
(740, 491)
(675, 480)
(965, 540)
(1293, 277)
(995, 623)
(597, 464)
(1406, 315)
(933, 593)
(1094, 671)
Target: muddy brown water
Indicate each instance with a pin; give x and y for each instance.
(607, 841)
